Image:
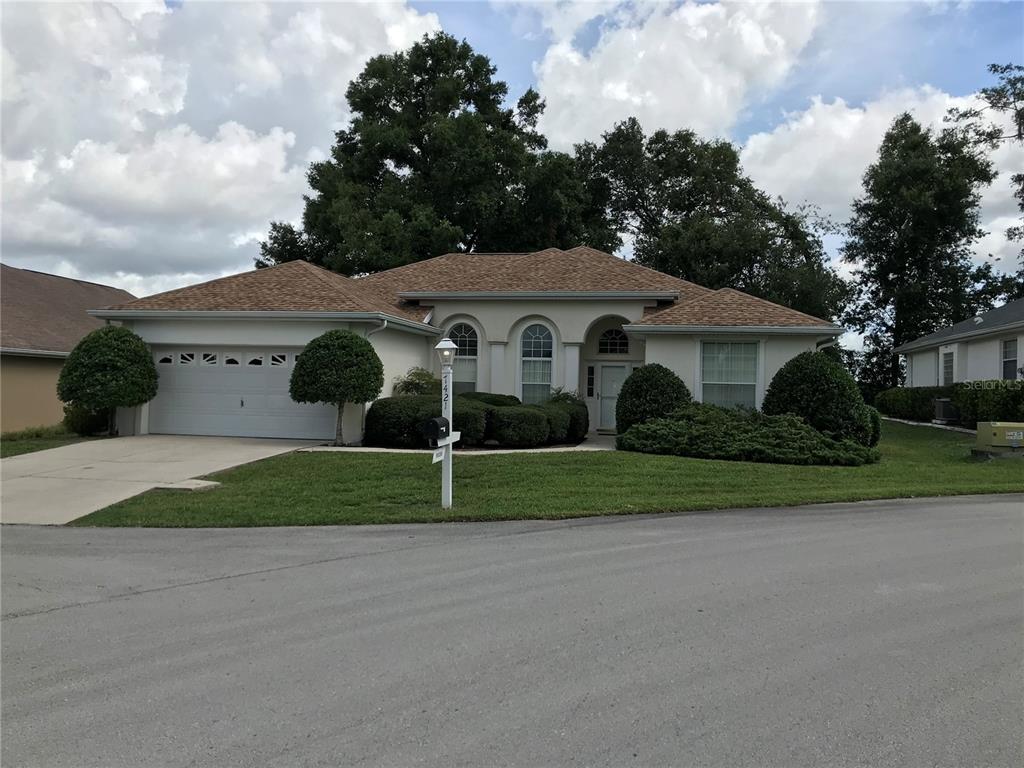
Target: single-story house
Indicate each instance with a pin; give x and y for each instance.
(525, 324)
(981, 348)
(42, 318)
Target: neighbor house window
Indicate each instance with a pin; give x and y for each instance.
(465, 339)
(613, 342)
(947, 368)
(1009, 348)
(537, 352)
(729, 373)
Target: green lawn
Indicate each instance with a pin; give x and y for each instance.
(337, 488)
(36, 439)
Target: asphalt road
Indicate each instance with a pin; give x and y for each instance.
(881, 634)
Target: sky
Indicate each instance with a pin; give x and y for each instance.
(149, 145)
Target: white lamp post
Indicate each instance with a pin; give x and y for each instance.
(446, 352)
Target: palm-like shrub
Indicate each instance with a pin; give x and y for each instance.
(820, 391)
(651, 391)
(337, 367)
(108, 369)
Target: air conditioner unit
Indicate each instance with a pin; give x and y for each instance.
(945, 411)
(1000, 437)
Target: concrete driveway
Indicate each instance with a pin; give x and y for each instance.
(59, 485)
(876, 634)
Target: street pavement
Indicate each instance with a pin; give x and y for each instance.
(874, 634)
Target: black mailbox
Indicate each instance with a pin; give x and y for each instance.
(437, 429)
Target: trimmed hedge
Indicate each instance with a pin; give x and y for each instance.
(816, 388)
(579, 414)
(492, 399)
(876, 426)
(520, 426)
(649, 392)
(910, 403)
(392, 422)
(558, 421)
(709, 432)
(84, 422)
(994, 400)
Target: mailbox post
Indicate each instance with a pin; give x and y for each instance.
(446, 351)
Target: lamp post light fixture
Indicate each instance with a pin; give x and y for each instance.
(446, 352)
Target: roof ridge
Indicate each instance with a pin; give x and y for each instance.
(637, 264)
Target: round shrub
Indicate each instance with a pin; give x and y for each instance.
(520, 426)
(650, 391)
(579, 415)
(468, 417)
(393, 422)
(82, 421)
(820, 391)
(109, 368)
(337, 367)
(558, 422)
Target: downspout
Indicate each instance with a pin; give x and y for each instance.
(826, 344)
(367, 335)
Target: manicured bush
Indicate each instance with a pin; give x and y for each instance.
(417, 381)
(650, 391)
(816, 388)
(492, 399)
(558, 422)
(108, 369)
(393, 422)
(468, 417)
(911, 403)
(991, 400)
(520, 426)
(579, 415)
(876, 426)
(337, 367)
(708, 432)
(84, 422)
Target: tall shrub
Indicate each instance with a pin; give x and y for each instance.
(108, 369)
(649, 392)
(337, 367)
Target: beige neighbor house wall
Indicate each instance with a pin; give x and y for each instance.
(28, 392)
(680, 353)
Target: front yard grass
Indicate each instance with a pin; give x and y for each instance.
(36, 439)
(345, 488)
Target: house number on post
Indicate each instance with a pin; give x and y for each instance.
(440, 434)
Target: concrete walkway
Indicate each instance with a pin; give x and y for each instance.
(59, 485)
(593, 442)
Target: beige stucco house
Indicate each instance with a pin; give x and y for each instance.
(42, 317)
(525, 324)
(982, 348)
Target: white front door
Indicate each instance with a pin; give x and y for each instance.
(612, 377)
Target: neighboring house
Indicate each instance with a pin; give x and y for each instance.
(985, 347)
(525, 324)
(42, 318)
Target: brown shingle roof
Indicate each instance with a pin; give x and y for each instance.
(578, 269)
(46, 312)
(728, 306)
(295, 286)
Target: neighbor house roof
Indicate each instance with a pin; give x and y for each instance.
(577, 270)
(729, 307)
(43, 313)
(1005, 318)
(295, 286)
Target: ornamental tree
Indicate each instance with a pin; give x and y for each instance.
(337, 367)
(108, 369)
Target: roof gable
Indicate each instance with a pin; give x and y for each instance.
(729, 307)
(1006, 316)
(48, 313)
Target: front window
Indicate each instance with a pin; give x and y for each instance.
(729, 373)
(613, 342)
(947, 368)
(1009, 348)
(537, 352)
(466, 342)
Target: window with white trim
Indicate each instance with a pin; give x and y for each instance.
(729, 373)
(277, 360)
(165, 360)
(208, 358)
(947, 368)
(254, 359)
(614, 341)
(537, 353)
(186, 358)
(1009, 358)
(466, 341)
(231, 359)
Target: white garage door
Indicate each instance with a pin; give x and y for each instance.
(236, 392)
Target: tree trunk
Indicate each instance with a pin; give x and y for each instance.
(341, 418)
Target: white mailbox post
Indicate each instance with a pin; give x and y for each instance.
(446, 351)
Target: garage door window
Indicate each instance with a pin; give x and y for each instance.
(208, 358)
(186, 358)
(165, 360)
(278, 360)
(230, 359)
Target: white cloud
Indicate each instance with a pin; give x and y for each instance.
(695, 65)
(150, 147)
(820, 155)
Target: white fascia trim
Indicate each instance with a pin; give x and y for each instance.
(775, 330)
(913, 346)
(525, 295)
(167, 314)
(32, 352)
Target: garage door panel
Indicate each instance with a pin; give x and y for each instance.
(235, 400)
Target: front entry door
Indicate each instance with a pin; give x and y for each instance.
(612, 377)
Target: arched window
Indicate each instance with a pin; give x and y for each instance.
(614, 341)
(464, 370)
(537, 352)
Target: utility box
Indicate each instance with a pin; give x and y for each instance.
(945, 411)
(1002, 438)
(437, 431)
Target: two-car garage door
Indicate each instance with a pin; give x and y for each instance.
(236, 392)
